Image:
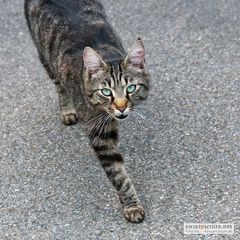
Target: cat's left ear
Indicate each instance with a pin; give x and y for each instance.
(136, 55)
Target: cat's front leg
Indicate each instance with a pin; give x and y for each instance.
(113, 164)
(68, 111)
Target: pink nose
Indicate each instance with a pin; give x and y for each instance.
(121, 109)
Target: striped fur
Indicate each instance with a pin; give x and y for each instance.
(96, 80)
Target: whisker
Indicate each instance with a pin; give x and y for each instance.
(97, 125)
(139, 114)
(100, 122)
(106, 130)
(96, 117)
(103, 126)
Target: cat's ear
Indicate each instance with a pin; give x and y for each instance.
(136, 55)
(92, 61)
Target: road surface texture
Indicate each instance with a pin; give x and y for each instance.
(183, 155)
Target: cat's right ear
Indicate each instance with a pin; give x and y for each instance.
(92, 61)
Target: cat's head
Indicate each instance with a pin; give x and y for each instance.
(116, 89)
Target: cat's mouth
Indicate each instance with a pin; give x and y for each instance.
(122, 116)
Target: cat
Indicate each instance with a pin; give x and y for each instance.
(96, 80)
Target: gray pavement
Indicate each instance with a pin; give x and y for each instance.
(183, 156)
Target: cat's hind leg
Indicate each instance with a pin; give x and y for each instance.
(68, 111)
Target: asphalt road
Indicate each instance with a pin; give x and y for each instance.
(183, 156)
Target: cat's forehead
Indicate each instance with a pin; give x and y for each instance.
(116, 78)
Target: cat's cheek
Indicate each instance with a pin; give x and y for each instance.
(143, 93)
(138, 98)
(101, 99)
(101, 103)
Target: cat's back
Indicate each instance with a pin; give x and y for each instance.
(75, 13)
(80, 22)
(67, 8)
(57, 26)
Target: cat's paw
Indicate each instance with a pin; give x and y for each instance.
(134, 213)
(69, 118)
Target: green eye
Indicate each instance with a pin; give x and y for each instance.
(131, 88)
(106, 92)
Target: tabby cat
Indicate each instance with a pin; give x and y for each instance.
(97, 81)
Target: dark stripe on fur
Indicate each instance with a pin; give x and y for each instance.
(108, 135)
(120, 71)
(110, 158)
(112, 74)
(100, 148)
(117, 184)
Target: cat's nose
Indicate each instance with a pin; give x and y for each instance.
(120, 104)
(121, 109)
